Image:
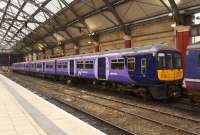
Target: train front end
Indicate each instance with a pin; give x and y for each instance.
(170, 72)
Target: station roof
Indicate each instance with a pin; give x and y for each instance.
(33, 25)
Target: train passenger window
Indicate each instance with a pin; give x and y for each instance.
(117, 63)
(131, 63)
(89, 64)
(169, 60)
(80, 64)
(39, 65)
(143, 66)
(65, 65)
(49, 66)
(59, 66)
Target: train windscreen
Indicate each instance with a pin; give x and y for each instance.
(169, 60)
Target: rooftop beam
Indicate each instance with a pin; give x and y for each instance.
(4, 13)
(178, 18)
(32, 16)
(19, 11)
(92, 13)
(116, 15)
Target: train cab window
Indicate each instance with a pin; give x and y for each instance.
(131, 63)
(161, 60)
(143, 66)
(89, 64)
(80, 64)
(178, 61)
(117, 64)
(169, 60)
(198, 61)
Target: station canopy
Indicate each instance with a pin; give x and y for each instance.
(31, 25)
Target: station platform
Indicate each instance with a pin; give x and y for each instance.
(25, 113)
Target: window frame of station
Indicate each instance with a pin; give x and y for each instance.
(62, 65)
(128, 60)
(85, 64)
(115, 63)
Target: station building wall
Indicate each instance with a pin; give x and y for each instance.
(147, 34)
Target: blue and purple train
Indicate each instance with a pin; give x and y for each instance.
(154, 70)
(192, 79)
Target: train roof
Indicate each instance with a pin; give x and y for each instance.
(194, 46)
(126, 51)
(150, 49)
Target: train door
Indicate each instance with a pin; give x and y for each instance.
(71, 64)
(101, 68)
(144, 61)
(43, 67)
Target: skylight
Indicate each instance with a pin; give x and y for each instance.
(23, 16)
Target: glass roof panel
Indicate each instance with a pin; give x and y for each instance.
(39, 1)
(15, 19)
(17, 38)
(17, 3)
(41, 17)
(30, 8)
(13, 10)
(1, 14)
(2, 4)
(26, 31)
(10, 34)
(17, 24)
(54, 6)
(5, 25)
(32, 25)
(69, 1)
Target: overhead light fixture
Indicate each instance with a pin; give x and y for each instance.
(173, 25)
(89, 42)
(40, 48)
(170, 14)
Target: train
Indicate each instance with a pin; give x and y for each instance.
(192, 79)
(153, 71)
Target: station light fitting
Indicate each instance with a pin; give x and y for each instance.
(89, 42)
(170, 14)
(173, 25)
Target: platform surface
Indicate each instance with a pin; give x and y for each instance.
(25, 113)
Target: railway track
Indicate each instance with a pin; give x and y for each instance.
(140, 116)
(121, 107)
(57, 98)
(181, 130)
